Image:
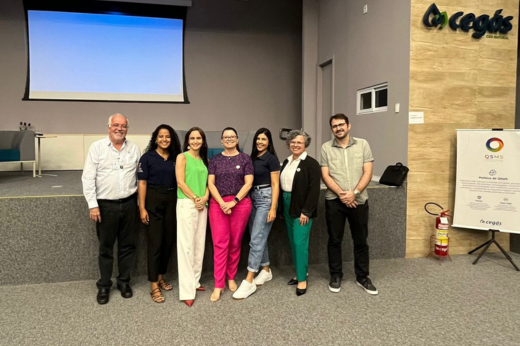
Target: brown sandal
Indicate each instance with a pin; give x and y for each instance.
(157, 296)
(164, 285)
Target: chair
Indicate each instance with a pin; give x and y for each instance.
(18, 146)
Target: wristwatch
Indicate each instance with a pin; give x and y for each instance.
(236, 200)
(356, 193)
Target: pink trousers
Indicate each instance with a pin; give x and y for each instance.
(227, 232)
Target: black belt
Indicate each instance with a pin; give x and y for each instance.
(122, 200)
(260, 187)
(162, 189)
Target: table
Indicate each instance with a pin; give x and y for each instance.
(39, 156)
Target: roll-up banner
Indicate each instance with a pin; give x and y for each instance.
(487, 195)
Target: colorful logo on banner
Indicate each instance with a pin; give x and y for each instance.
(481, 24)
(495, 141)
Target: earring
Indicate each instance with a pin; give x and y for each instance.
(155, 142)
(188, 147)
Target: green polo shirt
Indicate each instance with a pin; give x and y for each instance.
(346, 165)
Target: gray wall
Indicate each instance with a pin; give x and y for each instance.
(309, 76)
(370, 49)
(242, 63)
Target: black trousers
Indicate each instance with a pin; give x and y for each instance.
(336, 214)
(161, 231)
(118, 220)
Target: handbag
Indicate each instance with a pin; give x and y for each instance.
(394, 175)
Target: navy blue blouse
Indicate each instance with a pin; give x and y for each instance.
(156, 170)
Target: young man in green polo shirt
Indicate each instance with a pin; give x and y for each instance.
(346, 168)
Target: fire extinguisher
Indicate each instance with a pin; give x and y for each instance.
(441, 230)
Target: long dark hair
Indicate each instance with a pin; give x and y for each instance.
(175, 145)
(203, 148)
(270, 147)
(232, 129)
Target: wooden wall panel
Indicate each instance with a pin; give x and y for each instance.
(459, 83)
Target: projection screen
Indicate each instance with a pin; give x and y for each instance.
(105, 52)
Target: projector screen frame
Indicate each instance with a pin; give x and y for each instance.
(106, 7)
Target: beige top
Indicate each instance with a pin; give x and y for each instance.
(346, 165)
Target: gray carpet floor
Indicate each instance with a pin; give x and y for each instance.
(51, 183)
(420, 303)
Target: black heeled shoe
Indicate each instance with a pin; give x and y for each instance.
(300, 291)
(292, 282)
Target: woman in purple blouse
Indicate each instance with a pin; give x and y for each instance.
(229, 180)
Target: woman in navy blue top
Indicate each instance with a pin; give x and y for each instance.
(264, 198)
(157, 193)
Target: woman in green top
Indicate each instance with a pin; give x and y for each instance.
(192, 214)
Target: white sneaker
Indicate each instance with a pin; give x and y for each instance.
(263, 277)
(245, 290)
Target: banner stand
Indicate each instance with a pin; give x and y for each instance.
(486, 246)
(487, 190)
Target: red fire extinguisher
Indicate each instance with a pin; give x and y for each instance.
(441, 230)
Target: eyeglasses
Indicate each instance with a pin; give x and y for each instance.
(229, 138)
(337, 126)
(116, 126)
(297, 143)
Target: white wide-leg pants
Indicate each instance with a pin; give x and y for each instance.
(191, 238)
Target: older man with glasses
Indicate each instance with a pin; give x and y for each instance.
(110, 188)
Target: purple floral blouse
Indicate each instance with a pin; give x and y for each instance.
(229, 172)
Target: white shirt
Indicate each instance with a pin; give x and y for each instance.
(109, 173)
(287, 177)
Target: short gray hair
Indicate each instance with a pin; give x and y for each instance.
(116, 114)
(295, 133)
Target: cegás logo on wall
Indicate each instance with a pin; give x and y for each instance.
(481, 24)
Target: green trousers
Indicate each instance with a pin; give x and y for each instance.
(299, 239)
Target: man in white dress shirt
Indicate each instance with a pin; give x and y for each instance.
(110, 188)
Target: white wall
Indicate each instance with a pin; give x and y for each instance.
(68, 151)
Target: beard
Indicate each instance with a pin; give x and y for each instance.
(341, 135)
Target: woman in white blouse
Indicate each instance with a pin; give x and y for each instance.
(300, 182)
